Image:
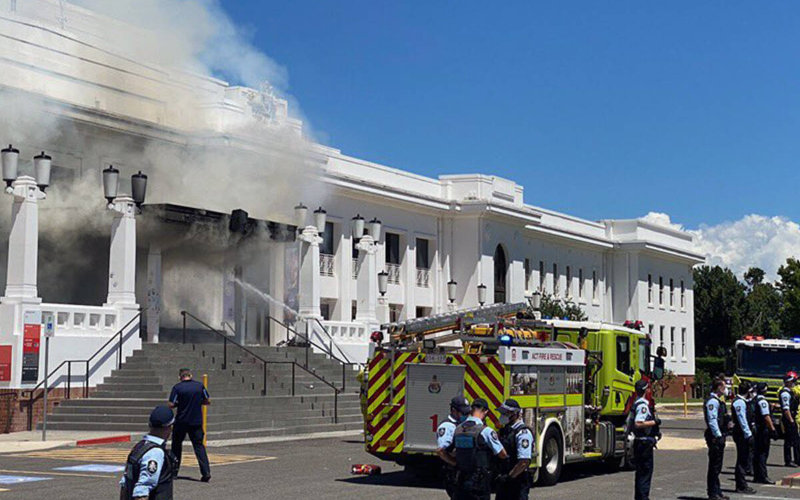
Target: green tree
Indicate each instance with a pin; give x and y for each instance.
(789, 286)
(763, 305)
(719, 303)
(553, 307)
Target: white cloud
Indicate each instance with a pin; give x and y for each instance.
(752, 241)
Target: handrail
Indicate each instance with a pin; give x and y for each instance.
(330, 337)
(265, 362)
(119, 334)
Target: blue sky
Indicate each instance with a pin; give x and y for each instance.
(599, 109)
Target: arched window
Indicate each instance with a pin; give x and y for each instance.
(500, 270)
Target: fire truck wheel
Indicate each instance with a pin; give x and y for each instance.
(552, 457)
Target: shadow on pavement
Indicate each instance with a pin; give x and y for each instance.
(397, 479)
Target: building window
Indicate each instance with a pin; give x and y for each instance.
(660, 291)
(594, 285)
(327, 239)
(683, 296)
(650, 330)
(683, 343)
(395, 310)
(555, 279)
(661, 335)
(541, 276)
(671, 294)
(423, 254)
(580, 284)
(392, 248)
(569, 283)
(650, 289)
(527, 274)
(672, 342)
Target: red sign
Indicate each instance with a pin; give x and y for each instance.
(31, 338)
(5, 363)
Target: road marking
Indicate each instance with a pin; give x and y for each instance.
(93, 468)
(21, 479)
(120, 456)
(51, 473)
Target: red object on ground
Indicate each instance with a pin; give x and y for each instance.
(106, 440)
(365, 470)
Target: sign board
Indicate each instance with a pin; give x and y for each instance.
(5, 362)
(541, 356)
(49, 321)
(31, 341)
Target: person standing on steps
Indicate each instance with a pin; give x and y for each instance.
(189, 397)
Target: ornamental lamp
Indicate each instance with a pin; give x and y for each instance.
(10, 163)
(300, 214)
(358, 227)
(383, 282)
(375, 229)
(138, 188)
(451, 291)
(110, 183)
(481, 294)
(42, 164)
(320, 218)
(536, 300)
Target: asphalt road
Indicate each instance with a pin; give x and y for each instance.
(321, 469)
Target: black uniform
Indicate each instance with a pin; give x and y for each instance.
(472, 459)
(791, 439)
(188, 396)
(752, 411)
(743, 437)
(762, 441)
(643, 445)
(514, 436)
(163, 489)
(716, 414)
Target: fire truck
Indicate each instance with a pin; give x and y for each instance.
(573, 379)
(766, 360)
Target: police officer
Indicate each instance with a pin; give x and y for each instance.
(475, 443)
(645, 436)
(752, 411)
(716, 426)
(459, 409)
(743, 437)
(765, 429)
(189, 397)
(150, 468)
(789, 405)
(514, 478)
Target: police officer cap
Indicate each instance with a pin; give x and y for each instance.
(744, 387)
(761, 388)
(641, 385)
(480, 404)
(161, 416)
(510, 406)
(460, 403)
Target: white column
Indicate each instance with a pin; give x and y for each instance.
(122, 258)
(367, 282)
(153, 293)
(23, 244)
(309, 273)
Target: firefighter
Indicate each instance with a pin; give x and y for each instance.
(765, 429)
(475, 443)
(459, 409)
(514, 479)
(789, 405)
(743, 437)
(645, 437)
(150, 468)
(716, 426)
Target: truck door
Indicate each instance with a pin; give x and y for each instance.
(429, 389)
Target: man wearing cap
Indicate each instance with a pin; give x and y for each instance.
(514, 479)
(743, 437)
(645, 425)
(789, 406)
(475, 444)
(765, 428)
(189, 397)
(150, 468)
(459, 409)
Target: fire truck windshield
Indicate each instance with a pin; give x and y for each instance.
(766, 362)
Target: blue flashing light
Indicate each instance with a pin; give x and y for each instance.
(506, 339)
(796, 340)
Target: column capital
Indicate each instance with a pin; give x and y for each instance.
(310, 235)
(24, 188)
(124, 206)
(367, 244)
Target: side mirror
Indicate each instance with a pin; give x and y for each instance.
(658, 368)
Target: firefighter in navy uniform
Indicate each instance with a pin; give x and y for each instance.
(150, 468)
(459, 409)
(514, 478)
(646, 434)
(765, 429)
(475, 443)
(789, 406)
(715, 413)
(743, 437)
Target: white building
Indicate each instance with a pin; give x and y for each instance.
(211, 148)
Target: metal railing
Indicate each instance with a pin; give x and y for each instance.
(327, 264)
(265, 362)
(394, 273)
(423, 277)
(120, 335)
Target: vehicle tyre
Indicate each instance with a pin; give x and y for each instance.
(552, 457)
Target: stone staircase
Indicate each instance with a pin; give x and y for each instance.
(238, 409)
